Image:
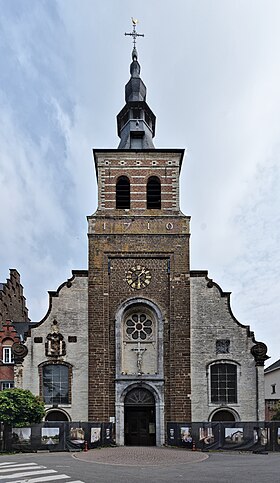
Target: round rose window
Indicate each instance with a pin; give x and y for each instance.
(138, 326)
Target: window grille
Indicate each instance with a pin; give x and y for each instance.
(222, 346)
(56, 384)
(223, 383)
(139, 397)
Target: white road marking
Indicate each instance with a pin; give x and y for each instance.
(45, 478)
(23, 467)
(27, 473)
(25, 470)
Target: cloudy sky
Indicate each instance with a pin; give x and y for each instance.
(212, 69)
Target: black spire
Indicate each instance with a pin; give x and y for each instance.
(136, 121)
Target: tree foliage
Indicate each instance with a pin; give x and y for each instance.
(19, 407)
(276, 415)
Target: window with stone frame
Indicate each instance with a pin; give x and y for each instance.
(56, 383)
(222, 346)
(139, 348)
(223, 380)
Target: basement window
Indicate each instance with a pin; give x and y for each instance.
(123, 193)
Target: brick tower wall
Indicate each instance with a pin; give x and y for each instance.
(156, 239)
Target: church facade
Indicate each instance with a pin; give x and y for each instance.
(139, 339)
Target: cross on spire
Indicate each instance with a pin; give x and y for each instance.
(134, 34)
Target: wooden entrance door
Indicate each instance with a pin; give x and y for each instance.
(139, 418)
(140, 426)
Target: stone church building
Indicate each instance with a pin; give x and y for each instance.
(139, 339)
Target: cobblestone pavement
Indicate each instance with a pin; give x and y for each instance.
(141, 456)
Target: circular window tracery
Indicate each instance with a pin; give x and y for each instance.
(138, 326)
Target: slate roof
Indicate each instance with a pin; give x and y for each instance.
(275, 365)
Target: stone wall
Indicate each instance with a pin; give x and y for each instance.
(68, 309)
(212, 320)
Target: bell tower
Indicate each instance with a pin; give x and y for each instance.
(139, 280)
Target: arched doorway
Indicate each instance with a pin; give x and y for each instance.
(223, 415)
(139, 418)
(56, 415)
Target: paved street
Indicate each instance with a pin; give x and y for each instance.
(125, 465)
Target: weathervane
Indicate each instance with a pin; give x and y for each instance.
(134, 34)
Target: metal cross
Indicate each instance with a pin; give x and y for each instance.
(139, 352)
(134, 34)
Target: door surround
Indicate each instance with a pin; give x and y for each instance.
(152, 382)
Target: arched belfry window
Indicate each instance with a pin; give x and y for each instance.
(123, 193)
(153, 193)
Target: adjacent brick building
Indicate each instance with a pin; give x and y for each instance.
(14, 322)
(139, 339)
(12, 300)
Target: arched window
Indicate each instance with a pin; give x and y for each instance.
(139, 397)
(223, 415)
(56, 415)
(140, 342)
(153, 193)
(123, 193)
(223, 383)
(56, 384)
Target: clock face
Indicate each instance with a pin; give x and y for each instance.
(138, 277)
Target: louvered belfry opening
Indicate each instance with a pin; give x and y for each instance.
(123, 193)
(153, 193)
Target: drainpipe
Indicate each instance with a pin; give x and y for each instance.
(259, 351)
(257, 394)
